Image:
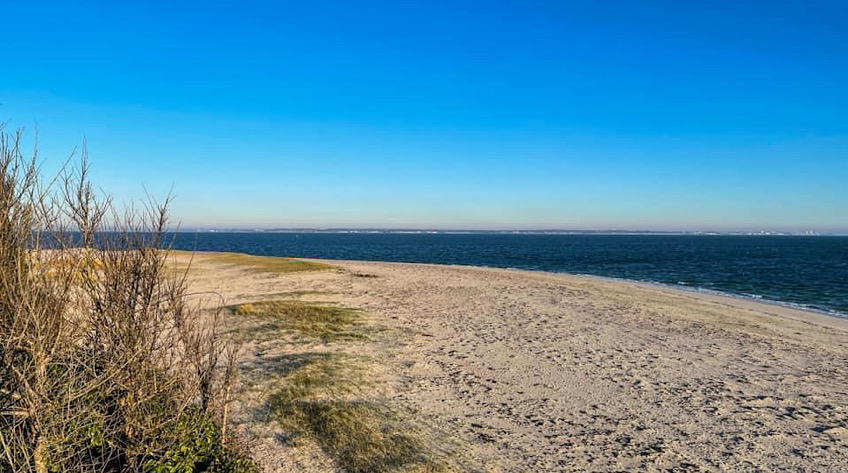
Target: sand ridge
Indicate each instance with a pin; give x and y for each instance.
(547, 372)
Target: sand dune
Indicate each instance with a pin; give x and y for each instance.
(542, 372)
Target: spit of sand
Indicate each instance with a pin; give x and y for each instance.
(520, 371)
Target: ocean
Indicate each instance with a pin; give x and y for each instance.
(804, 271)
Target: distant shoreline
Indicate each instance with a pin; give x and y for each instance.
(390, 231)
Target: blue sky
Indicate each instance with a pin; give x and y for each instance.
(662, 115)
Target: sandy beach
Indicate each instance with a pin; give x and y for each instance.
(516, 371)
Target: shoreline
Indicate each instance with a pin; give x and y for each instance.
(553, 372)
(730, 295)
(694, 290)
(681, 287)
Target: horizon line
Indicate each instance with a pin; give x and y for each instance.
(562, 231)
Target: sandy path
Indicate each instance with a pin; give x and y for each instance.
(561, 373)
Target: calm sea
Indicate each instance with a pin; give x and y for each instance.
(806, 271)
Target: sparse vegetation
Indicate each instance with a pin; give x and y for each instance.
(104, 367)
(267, 264)
(322, 398)
(330, 398)
(326, 322)
(324, 376)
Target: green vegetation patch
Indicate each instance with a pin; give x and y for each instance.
(329, 323)
(267, 264)
(198, 446)
(360, 435)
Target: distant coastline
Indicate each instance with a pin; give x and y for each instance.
(507, 232)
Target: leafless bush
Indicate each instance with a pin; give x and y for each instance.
(104, 366)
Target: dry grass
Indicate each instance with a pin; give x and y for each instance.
(268, 264)
(330, 400)
(319, 399)
(104, 364)
(323, 376)
(329, 323)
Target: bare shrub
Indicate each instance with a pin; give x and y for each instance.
(104, 366)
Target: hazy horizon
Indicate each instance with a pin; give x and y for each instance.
(659, 116)
(345, 229)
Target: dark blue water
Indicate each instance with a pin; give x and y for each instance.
(808, 271)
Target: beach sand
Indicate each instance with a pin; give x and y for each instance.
(539, 372)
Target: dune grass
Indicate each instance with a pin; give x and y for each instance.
(330, 398)
(318, 400)
(268, 264)
(308, 319)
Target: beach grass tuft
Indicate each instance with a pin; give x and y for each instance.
(318, 401)
(314, 320)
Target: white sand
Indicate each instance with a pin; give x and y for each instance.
(548, 373)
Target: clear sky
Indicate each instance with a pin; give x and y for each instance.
(668, 115)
